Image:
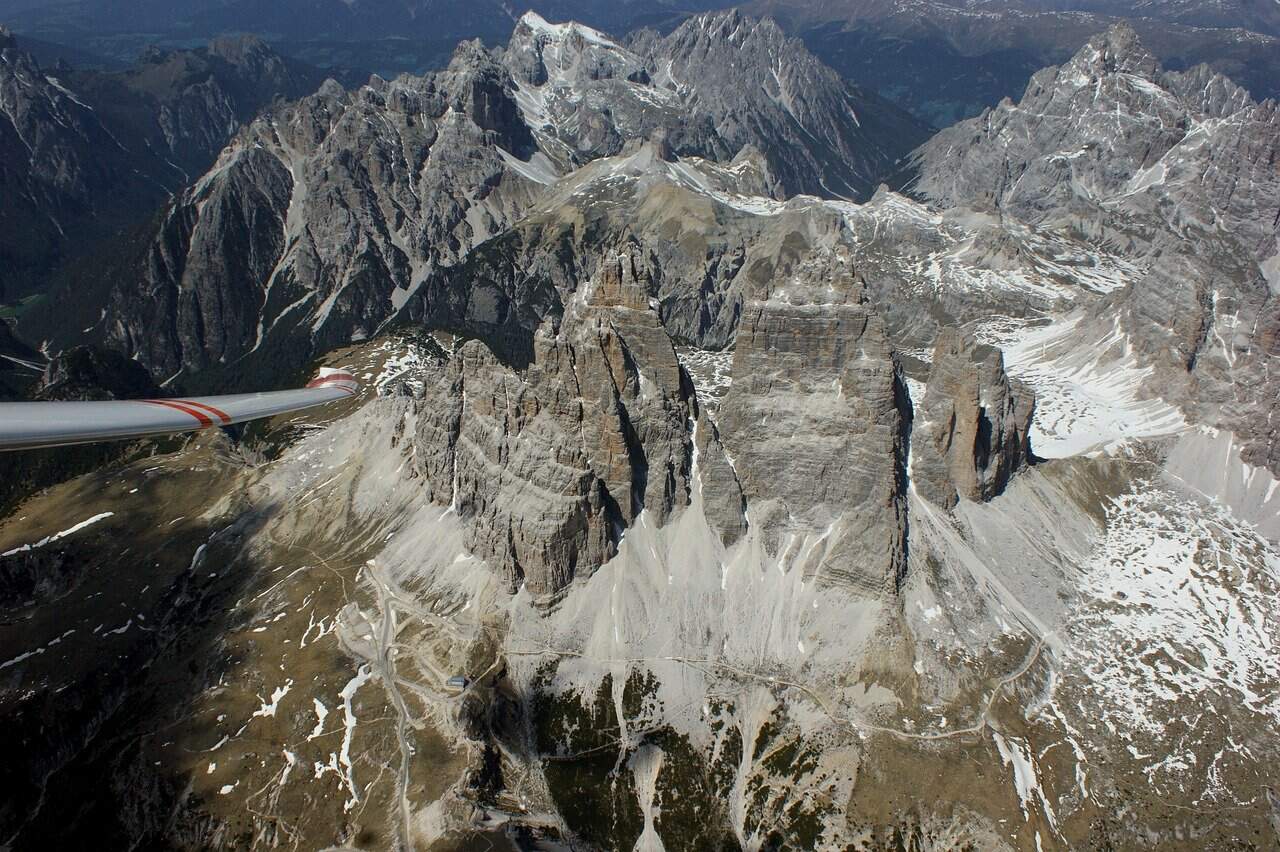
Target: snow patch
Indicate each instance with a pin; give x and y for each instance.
(1017, 754)
(58, 536)
(268, 710)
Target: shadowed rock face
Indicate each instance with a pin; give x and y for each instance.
(549, 464)
(723, 502)
(969, 433)
(88, 373)
(14, 377)
(315, 223)
(87, 153)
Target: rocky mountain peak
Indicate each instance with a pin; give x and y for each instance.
(567, 54)
(533, 26)
(549, 464)
(813, 424)
(621, 284)
(1119, 49)
(331, 88)
(821, 135)
(733, 26)
(1206, 92)
(711, 33)
(1179, 167)
(1064, 132)
(482, 89)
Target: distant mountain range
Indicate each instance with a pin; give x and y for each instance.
(762, 506)
(947, 59)
(397, 35)
(943, 59)
(300, 237)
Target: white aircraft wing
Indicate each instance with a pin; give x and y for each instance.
(26, 425)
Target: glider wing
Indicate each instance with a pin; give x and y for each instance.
(27, 425)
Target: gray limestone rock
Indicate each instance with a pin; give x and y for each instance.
(585, 96)
(549, 464)
(820, 134)
(320, 219)
(970, 432)
(1176, 170)
(722, 499)
(814, 425)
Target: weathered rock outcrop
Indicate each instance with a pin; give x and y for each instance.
(62, 172)
(549, 464)
(970, 432)
(723, 503)
(294, 242)
(1110, 137)
(586, 95)
(716, 86)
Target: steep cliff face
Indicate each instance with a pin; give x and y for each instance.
(970, 432)
(814, 425)
(293, 242)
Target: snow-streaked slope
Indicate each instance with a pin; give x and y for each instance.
(1090, 395)
(1176, 641)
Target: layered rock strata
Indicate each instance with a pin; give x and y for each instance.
(814, 424)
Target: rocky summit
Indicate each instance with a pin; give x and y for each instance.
(702, 489)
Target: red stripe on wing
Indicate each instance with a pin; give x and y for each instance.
(216, 412)
(200, 416)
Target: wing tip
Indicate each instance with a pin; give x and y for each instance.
(331, 377)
